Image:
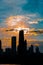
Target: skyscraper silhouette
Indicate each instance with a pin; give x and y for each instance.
(22, 44)
(0, 44)
(13, 45)
(21, 37)
(1, 50)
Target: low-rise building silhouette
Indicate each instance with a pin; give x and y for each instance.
(31, 49)
(8, 51)
(37, 50)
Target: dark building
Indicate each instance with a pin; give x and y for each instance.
(22, 44)
(31, 49)
(0, 44)
(13, 45)
(1, 50)
(25, 45)
(8, 51)
(21, 37)
(37, 50)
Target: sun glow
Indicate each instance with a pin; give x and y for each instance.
(13, 20)
(20, 28)
(18, 23)
(13, 25)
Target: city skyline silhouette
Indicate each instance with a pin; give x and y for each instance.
(22, 53)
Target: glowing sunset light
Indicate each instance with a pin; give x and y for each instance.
(18, 23)
(20, 28)
(13, 20)
(21, 15)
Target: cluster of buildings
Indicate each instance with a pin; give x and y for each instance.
(21, 49)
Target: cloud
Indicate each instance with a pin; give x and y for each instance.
(28, 19)
(13, 7)
(13, 20)
(2, 24)
(16, 1)
(33, 22)
(40, 19)
(10, 7)
(31, 15)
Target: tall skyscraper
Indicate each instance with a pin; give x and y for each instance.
(1, 50)
(0, 44)
(14, 45)
(21, 37)
(22, 44)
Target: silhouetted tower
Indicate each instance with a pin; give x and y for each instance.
(1, 50)
(37, 49)
(14, 45)
(22, 44)
(25, 45)
(0, 44)
(21, 37)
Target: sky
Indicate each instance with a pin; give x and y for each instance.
(32, 9)
(20, 7)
